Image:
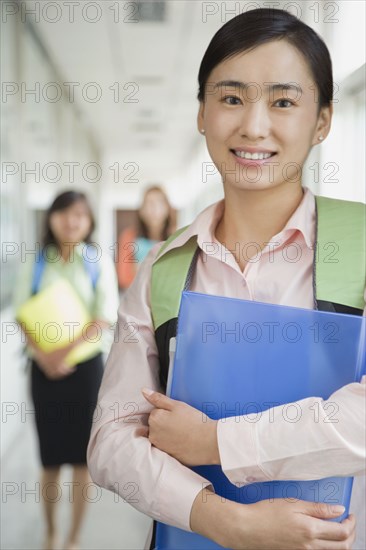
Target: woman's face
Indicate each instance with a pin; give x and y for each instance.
(154, 209)
(283, 122)
(72, 224)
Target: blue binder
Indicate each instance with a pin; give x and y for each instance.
(235, 357)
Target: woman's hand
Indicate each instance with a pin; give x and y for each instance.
(280, 524)
(53, 363)
(270, 524)
(182, 431)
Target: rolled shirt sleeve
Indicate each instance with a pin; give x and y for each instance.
(119, 457)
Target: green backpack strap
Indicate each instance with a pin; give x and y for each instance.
(339, 264)
(168, 278)
(340, 256)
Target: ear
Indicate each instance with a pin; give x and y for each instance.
(200, 116)
(323, 124)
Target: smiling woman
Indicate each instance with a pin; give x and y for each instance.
(281, 120)
(265, 100)
(64, 388)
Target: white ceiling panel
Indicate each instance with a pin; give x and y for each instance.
(146, 71)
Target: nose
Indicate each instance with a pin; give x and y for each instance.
(255, 123)
(70, 221)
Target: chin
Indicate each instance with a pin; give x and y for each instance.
(72, 239)
(250, 185)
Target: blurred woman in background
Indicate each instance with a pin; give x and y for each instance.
(64, 397)
(155, 222)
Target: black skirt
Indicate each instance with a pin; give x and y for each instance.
(153, 538)
(64, 411)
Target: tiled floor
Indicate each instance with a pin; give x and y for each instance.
(108, 525)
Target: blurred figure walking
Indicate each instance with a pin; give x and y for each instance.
(155, 222)
(65, 396)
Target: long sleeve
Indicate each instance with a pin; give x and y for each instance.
(119, 458)
(327, 439)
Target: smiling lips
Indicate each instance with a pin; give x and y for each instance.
(252, 153)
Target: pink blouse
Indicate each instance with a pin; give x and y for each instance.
(152, 481)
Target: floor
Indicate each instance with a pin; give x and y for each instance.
(110, 523)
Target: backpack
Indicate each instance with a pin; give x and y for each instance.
(91, 267)
(339, 271)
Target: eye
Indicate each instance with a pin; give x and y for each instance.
(227, 99)
(285, 101)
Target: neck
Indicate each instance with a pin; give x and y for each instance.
(255, 216)
(66, 250)
(154, 232)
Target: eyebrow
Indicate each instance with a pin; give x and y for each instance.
(244, 85)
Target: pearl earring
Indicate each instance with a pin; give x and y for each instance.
(202, 131)
(320, 138)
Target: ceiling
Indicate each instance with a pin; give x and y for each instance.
(146, 73)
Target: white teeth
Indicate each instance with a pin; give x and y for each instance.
(252, 156)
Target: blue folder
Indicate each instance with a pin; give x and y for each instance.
(236, 357)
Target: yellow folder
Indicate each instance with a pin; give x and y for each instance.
(55, 317)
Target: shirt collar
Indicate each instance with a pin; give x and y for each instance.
(203, 227)
(53, 251)
(303, 219)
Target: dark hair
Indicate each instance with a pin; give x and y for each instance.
(168, 227)
(255, 27)
(61, 202)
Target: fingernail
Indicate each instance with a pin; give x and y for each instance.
(338, 509)
(147, 391)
